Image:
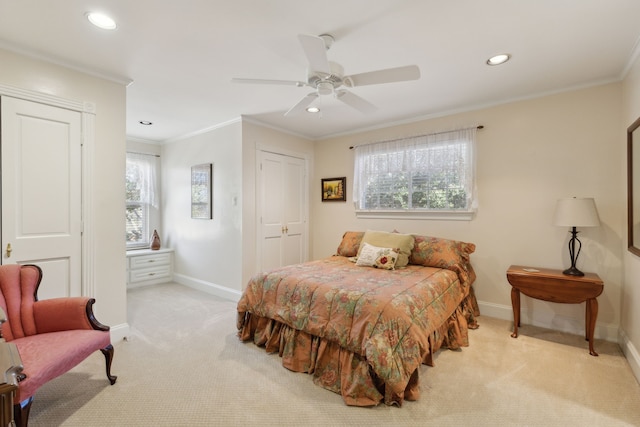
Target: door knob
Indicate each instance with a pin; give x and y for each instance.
(9, 250)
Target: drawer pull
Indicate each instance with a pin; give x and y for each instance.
(152, 274)
(151, 260)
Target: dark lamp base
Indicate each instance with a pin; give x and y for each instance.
(573, 272)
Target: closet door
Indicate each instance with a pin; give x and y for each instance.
(282, 209)
(41, 192)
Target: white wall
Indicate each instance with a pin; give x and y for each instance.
(530, 153)
(208, 253)
(108, 163)
(219, 255)
(630, 311)
(137, 145)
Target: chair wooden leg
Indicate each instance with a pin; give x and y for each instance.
(108, 355)
(21, 412)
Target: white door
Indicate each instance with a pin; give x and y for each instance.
(282, 199)
(41, 192)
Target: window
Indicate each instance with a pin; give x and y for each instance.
(423, 176)
(142, 199)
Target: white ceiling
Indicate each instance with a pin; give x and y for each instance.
(182, 55)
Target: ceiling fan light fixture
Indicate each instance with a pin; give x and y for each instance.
(313, 110)
(325, 88)
(498, 59)
(328, 40)
(101, 20)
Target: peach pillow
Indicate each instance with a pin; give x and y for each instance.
(350, 243)
(443, 253)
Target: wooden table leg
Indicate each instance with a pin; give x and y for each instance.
(591, 316)
(515, 303)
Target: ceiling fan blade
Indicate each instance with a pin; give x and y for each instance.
(316, 52)
(302, 104)
(389, 75)
(270, 82)
(353, 100)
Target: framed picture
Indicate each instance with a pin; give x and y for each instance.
(334, 189)
(201, 191)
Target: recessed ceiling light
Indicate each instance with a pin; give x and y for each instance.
(313, 110)
(498, 59)
(145, 122)
(101, 20)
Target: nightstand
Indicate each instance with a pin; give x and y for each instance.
(551, 285)
(149, 267)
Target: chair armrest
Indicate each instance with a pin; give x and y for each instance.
(64, 314)
(10, 363)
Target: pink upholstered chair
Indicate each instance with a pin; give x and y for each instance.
(52, 336)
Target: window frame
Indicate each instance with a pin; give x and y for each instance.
(150, 206)
(145, 241)
(406, 146)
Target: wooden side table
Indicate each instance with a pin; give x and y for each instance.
(551, 285)
(7, 393)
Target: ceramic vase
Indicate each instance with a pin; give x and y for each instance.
(155, 241)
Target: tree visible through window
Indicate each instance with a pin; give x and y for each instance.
(141, 198)
(419, 174)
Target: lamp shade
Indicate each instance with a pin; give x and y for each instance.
(576, 212)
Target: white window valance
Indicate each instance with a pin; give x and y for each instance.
(141, 179)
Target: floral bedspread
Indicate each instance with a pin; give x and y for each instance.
(363, 332)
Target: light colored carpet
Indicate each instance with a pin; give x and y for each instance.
(184, 366)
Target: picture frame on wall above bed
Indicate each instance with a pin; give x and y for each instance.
(334, 189)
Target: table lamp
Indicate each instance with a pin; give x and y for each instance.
(576, 212)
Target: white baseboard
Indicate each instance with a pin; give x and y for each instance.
(499, 311)
(119, 332)
(631, 353)
(550, 320)
(208, 287)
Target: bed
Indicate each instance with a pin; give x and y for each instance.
(363, 324)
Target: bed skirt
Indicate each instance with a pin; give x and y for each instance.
(348, 373)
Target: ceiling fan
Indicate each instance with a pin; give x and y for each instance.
(327, 78)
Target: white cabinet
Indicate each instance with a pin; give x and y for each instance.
(147, 267)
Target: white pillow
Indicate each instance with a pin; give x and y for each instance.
(373, 256)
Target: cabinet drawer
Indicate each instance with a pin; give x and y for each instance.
(146, 261)
(152, 273)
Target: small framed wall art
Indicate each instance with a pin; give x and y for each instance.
(202, 191)
(334, 189)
